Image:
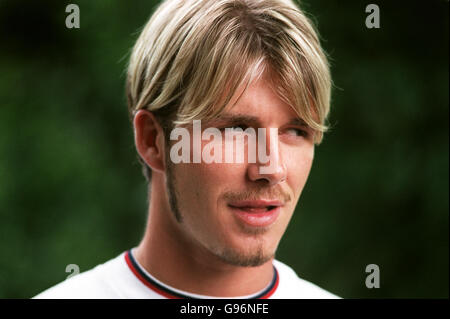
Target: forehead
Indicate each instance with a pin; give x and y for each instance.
(258, 102)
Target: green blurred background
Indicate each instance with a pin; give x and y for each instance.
(71, 189)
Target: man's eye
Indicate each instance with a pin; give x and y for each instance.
(297, 132)
(238, 128)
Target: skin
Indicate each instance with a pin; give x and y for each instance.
(210, 251)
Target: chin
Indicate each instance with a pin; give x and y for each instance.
(245, 259)
(247, 252)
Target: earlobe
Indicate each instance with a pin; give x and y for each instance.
(149, 139)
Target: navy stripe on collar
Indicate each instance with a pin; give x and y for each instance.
(171, 294)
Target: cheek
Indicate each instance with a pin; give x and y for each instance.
(202, 184)
(200, 188)
(299, 165)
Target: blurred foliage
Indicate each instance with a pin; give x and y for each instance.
(71, 189)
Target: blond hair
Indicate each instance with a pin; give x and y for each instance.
(191, 50)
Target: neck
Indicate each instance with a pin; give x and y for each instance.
(169, 255)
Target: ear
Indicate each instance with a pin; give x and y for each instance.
(149, 139)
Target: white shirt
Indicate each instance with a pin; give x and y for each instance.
(124, 277)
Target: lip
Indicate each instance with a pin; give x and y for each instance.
(255, 213)
(256, 203)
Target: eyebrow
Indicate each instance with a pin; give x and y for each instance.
(235, 119)
(298, 122)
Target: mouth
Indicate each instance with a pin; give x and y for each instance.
(259, 213)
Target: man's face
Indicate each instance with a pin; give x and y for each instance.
(232, 209)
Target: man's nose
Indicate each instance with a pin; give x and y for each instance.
(270, 165)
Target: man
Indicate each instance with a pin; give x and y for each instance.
(214, 225)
